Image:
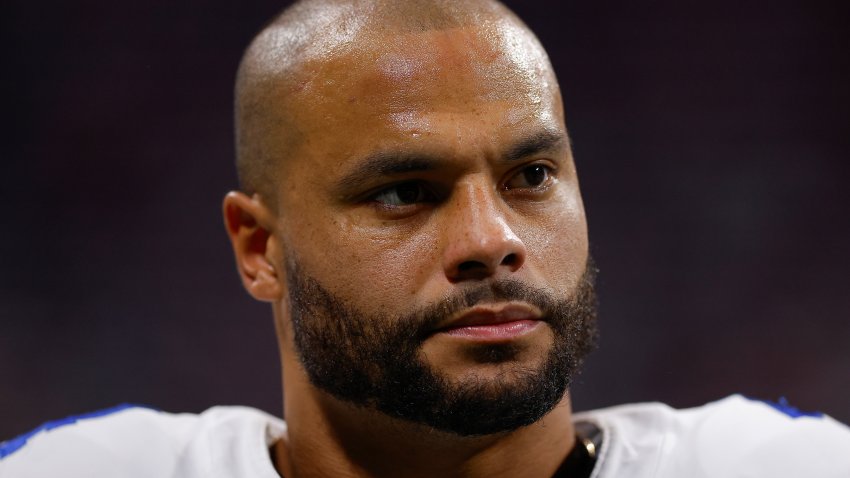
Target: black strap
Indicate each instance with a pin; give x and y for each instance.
(581, 460)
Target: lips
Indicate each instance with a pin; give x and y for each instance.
(494, 322)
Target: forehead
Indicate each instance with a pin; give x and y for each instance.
(496, 61)
(461, 84)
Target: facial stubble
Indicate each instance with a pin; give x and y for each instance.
(375, 361)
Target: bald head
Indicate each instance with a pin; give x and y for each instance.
(407, 155)
(288, 69)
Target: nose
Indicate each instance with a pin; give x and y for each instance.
(479, 241)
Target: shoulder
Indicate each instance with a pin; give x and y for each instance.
(733, 437)
(132, 441)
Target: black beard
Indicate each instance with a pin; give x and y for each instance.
(373, 361)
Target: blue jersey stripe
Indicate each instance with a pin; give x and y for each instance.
(786, 408)
(10, 446)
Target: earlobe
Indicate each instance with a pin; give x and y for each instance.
(249, 223)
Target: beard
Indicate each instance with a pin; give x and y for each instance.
(374, 360)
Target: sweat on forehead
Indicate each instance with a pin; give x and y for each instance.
(289, 66)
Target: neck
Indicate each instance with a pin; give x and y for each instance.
(327, 437)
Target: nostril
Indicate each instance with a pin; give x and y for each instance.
(471, 270)
(510, 260)
(470, 265)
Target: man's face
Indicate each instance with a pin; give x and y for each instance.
(431, 207)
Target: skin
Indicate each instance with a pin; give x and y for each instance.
(480, 107)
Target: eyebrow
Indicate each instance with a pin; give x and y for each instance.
(546, 140)
(394, 163)
(387, 163)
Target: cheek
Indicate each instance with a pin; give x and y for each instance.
(558, 245)
(380, 268)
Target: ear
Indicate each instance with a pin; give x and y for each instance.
(249, 222)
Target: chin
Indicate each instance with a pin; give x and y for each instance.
(504, 363)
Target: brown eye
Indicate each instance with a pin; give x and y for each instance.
(530, 177)
(403, 194)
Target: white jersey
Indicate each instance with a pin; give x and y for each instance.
(135, 442)
(732, 438)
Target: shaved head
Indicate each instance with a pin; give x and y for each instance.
(411, 171)
(281, 75)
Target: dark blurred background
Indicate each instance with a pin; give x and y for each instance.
(712, 140)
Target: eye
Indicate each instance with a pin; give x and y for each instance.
(404, 194)
(530, 177)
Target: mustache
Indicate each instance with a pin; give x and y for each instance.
(425, 320)
(309, 298)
